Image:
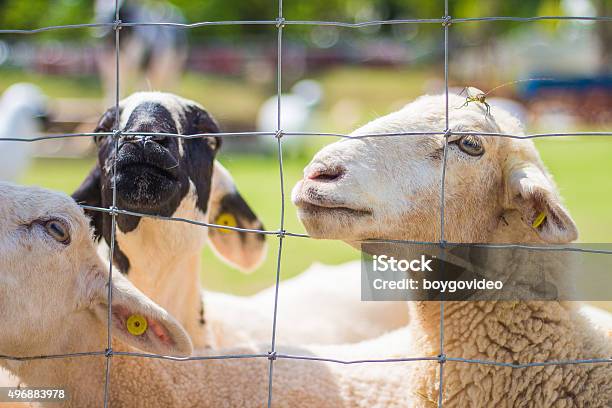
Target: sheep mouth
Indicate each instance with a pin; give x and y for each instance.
(307, 208)
(143, 186)
(140, 169)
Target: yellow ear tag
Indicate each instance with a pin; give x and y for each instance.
(136, 325)
(227, 220)
(539, 220)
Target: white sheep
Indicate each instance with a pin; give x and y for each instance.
(50, 272)
(21, 106)
(495, 189)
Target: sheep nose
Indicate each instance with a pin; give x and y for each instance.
(156, 138)
(159, 139)
(325, 174)
(144, 138)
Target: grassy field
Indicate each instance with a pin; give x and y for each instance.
(581, 168)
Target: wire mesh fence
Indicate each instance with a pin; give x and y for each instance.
(280, 23)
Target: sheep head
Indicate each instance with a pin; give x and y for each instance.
(53, 286)
(166, 176)
(389, 187)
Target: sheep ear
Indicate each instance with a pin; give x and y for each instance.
(244, 250)
(200, 121)
(137, 320)
(89, 193)
(107, 121)
(534, 195)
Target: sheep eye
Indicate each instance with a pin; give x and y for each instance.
(100, 139)
(471, 145)
(58, 231)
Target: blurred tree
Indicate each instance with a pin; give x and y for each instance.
(604, 8)
(30, 14)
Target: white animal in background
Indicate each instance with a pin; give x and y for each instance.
(296, 114)
(21, 107)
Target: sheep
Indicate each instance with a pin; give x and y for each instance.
(324, 299)
(495, 189)
(21, 107)
(168, 176)
(50, 271)
(146, 248)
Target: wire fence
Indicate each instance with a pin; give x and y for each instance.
(280, 23)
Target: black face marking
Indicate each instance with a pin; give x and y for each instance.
(151, 117)
(152, 175)
(120, 260)
(90, 193)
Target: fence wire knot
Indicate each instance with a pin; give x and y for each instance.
(117, 134)
(281, 234)
(113, 211)
(447, 21)
(108, 352)
(280, 22)
(279, 133)
(272, 355)
(441, 358)
(447, 133)
(117, 25)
